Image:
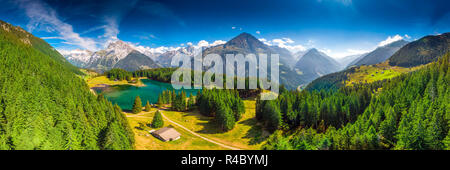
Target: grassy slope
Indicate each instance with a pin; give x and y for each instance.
(371, 73)
(246, 134)
(360, 74)
(99, 80)
(145, 141)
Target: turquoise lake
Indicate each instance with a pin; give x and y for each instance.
(124, 95)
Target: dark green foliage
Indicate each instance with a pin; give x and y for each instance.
(137, 106)
(160, 101)
(270, 115)
(308, 109)
(406, 112)
(179, 104)
(118, 74)
(231, 106)
(44, 105)
(158, 74)
(331, 81)
(224, 116)
(157, 121)
(191, 102)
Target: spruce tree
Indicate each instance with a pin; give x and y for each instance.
(160, 102)
(191, 101)
(137, 106)
(147, 106)
(183, 103)
(224, 117)
(157, 121)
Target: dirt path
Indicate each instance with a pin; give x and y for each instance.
(181, 126)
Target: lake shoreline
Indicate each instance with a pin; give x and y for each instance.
(124, 94)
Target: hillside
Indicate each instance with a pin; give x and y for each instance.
(422, 51)
(380, 54)
(408, 112)
(136, 61)
(37, 44)
(44, 105)
(358, 75)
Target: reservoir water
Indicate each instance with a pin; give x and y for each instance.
(124, 95)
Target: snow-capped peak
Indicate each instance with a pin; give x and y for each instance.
(119, 48)
(77, 54)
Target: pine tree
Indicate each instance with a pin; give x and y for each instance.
(147, 106)
(446, 142)
(191, 101)
(157, 121)
(137, 106)
(183, 101)
(224, 117)
(160, 102)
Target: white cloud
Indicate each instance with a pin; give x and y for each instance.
(326, 51)
(390, 40)
(233, 28)
(265, 41)
(288, 40)
(284, 43)
(218, 42)
(202, 43)
(258, 32)
(147, 50)
(45, 18)
(189, 43)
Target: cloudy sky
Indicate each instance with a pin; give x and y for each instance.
(337, 27)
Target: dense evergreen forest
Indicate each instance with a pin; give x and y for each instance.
(224, 105)
(406, 112)
(158, 74)
(177, 101)
(45, 105)
(118, 74)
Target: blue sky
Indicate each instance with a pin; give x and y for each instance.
(337, 27)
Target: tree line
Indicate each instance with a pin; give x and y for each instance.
(224, 105)
(118, 74)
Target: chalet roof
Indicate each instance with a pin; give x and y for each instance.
(167, 134)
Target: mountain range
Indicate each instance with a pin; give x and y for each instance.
(315, 64)
(246, 43)
(296, 69)
(380, 54)
(108, 58)
(422, 51)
